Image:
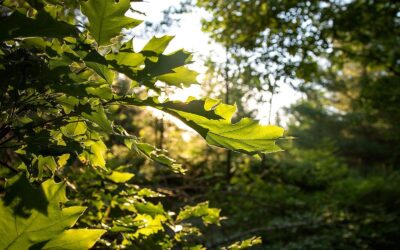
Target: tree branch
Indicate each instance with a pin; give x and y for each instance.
(9, 167)
(253, 231)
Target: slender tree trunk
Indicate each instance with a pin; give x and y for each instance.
(159, 129)
(270, 103)
(228, 172)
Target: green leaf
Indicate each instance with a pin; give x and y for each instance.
(46, 162)
(246, 136)
(212, 120)
(99, 118)
(129, 59)
(148, 225)
(96, 153)
(157, 45)
(149, 208)
(180, 75)
(103, 92)
(158, 156)
(74, 239)
(165, 64)
(44, 143)
(119, 177)
(30, 217)
(18, 25)
(247, 243)
(107, 18)
(68, 103)
(99, 64)
(208, 215)
(74, 128)
(145, 192)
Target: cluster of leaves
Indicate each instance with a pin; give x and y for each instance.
(64, 67)
(33, 218)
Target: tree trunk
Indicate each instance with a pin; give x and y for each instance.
(228, 172)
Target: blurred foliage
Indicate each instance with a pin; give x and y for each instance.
(336, 186)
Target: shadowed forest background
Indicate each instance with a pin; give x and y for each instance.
(335, 184)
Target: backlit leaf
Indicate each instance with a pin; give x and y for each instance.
(157, 45)
(120, 177)
(209, 215)
(129, 59)
(148, 225)
(107, 18)
(74, 128)
(158, 156)
(46, 162)
(165, 64)
(149, 208)
(75, 239)
(95, 153)
(99, 64)
(99, 118)
(244, 244)
(181, 75)
(30, 217)
(212, 120)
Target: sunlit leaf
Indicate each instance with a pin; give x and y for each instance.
(129, 59)
(209, 215)
(120, 177)
(149, 225)
(99, 64)
(159, 156)
(181, 75)
(74, 128)
(47, 162)
(149, 208)
(107, 18)
(30, 217)
(212, 120)
(95, 155)
(145, 192)
(75, 239)
(99, 118)
(244, 244)
(103, 92)
(157, 45)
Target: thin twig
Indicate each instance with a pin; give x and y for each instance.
(9, 167)
(262, 229)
